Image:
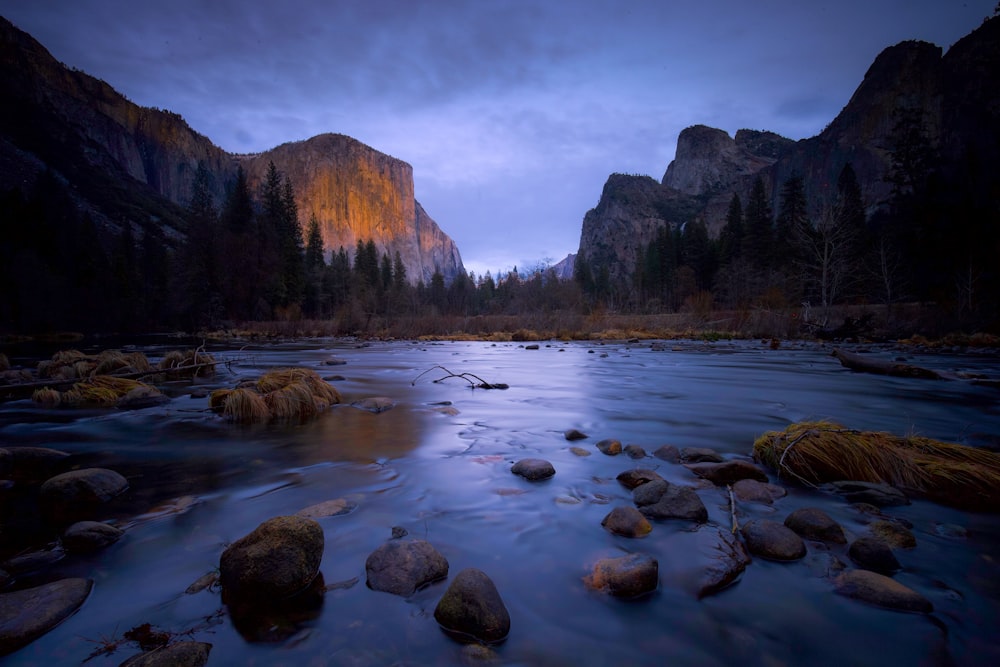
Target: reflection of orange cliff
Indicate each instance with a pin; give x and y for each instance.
(356, 192)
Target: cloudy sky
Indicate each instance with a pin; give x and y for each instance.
(512, 113)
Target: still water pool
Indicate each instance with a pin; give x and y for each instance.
(438, 465)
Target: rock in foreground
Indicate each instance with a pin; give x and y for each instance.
(472, 606)
(533, 469)
(28, 614)
(627, 576)
(180, 654)
(89, 536)
(76, 495)
(278, 559)
(880, 590)
(772, 540)
(401, 567)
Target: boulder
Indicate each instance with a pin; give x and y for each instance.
(574, 434)
(626, 576)
(872, 493)
(180, 654)
(659, 499)
(402, 566)
(725, 558)
(472, 607)
(78, 494)
(278, 559)
(610, 447)
(727, 472)
(772, 540)
(637, 477)
(32, 464)
(881, 591)
(700, 455)
(533, 469)
(893, 533)
(28, 614)
(627, 522)
(668, 453)
(871, 553)
(90, 536)
(752, 491)
(635, 452)
(815, 524)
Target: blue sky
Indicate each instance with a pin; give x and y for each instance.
(513, 114)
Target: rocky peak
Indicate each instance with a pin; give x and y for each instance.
(708, 160)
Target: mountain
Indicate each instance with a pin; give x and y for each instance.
(952, 100)
(123, 163)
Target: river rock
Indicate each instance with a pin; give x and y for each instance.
(626, 576)
(668, 453)
(880, 590)
(574, 434)
(472, 606)
(33, 464)
(872, 493)
(327, 508)
(814, 524)
(893, 533)
(375, 404)
(28, 614)
(772, 540)
(627, 522)
(278, 559)
(141, 398)
(871, 553)
(533, 469)
(89, 536)
(727, 472)
(659, 499)
(402, 566)
(580, 451)
(610, 447)
(724, 560)
(637, 477)
(180, 654)
(752, 491)
(700, 455)
(635, 452)
(76, 495)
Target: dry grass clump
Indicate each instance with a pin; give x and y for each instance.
(47, 397)
(187, 363)
(98, 390)
(820, 452)
(4, 362)
(284, 393)
(114, 362)
(67, 365)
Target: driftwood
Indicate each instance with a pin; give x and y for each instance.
(857, 362)
(468, 377)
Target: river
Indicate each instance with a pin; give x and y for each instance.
(438, 465)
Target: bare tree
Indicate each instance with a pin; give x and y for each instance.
(826, 254)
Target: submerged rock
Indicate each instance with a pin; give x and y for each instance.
(893, 533)
(627, 522)
(815, 524)
(334, 507)
(668, 453)
(574, 434)
(610, 447)
(659, 499)
(871, 553)
(472, 607)
(880, 590)
(78, 494)
(772, 540)
(180, 654)
(728, 472)
(375, 404)
(627, 576)
(533, 469)
(402, 566)
(724, 560)
(700, 455)
(752, 491)
(872, 493)
(637, 477)
(28, 614)
(635, 452)
(278, 559)
(579, 451)
(90, 536)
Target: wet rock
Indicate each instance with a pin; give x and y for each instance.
(200, 392)
(872, 493)
(32, 464)
(725, 558)
(637, 477)
(140, 398)
(206, 580)
(472, 607)
(473, 655)
(772, 540)
(180, 654)
(278, 559)
(815, 524)
(28, 614)
(335, 507)
(579, 451)
(659, 499)
(533, 469)
(278, 619)
(700, 455)
(533, 346)
(335, 361)
(668, 453)
(574, 434)
(881, 591)
(871, 553)
(951, 530)
(334, 378)
(89, 536)
(402, 566)
(33, 561)
(627, 522)
(375, 404)
(78, 494)
(893, 533)
(752, 491)
(610, 447)
(728, 472)
(626, 576)
(399, 532)
(635, 452)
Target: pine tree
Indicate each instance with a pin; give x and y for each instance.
(759, 230)
(793, 217)
(731, 237)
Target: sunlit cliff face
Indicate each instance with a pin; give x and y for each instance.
(357, 193)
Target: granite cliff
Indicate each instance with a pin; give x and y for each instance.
(129, 163)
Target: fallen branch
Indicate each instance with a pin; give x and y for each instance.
(856, 362)
(468, 377)
(732, 508)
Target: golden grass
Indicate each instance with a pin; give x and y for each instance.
(245, 406)
(282, 377)
(47, 397)
(217, 399)
(187, 363)
(820, 452)
(100, 390)
(110, 362)
(283, 393)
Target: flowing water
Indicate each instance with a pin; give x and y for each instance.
(438, 465)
